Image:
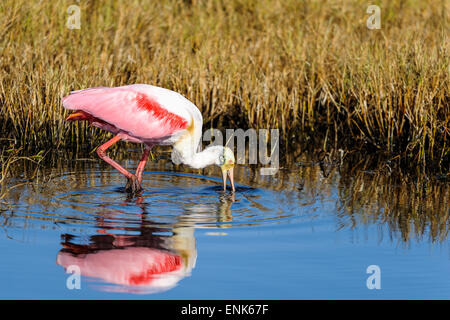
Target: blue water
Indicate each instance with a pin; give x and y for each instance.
(270, 240)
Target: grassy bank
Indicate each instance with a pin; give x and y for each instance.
(310, 68)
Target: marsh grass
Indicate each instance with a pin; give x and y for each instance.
(311, 69)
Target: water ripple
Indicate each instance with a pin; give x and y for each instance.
(168, 199)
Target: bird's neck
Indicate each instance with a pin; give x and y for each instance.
(205, 158)
(185, 150)
(197, 160)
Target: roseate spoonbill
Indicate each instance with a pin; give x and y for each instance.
(142, 262)
(151, 269)
(150, 115)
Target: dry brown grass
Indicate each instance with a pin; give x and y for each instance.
(310, 68)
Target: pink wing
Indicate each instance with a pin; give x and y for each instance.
(129, 109)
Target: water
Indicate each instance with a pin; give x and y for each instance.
(305, 233)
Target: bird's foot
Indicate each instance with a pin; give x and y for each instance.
(133, 186)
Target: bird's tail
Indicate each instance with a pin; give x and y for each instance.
(78, 115)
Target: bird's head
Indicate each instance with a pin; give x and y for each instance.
(226, 163)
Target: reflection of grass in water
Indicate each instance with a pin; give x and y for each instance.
(8, 159)
(311, 69)
(371, 192)
(368, 192)
(411, 206)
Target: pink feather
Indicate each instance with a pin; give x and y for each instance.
(135, 110)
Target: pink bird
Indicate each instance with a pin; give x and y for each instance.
(150, 115)
(135, 269)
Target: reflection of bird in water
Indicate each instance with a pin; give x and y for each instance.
(151, 257)
(210, 216)
(153, 116)
(147, 262)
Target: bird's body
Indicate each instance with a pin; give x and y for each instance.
(139, 113)
(150, 115)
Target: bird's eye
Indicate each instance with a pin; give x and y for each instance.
(221, 159)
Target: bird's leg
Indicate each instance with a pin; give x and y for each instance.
(133, 186)
(142, 163)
